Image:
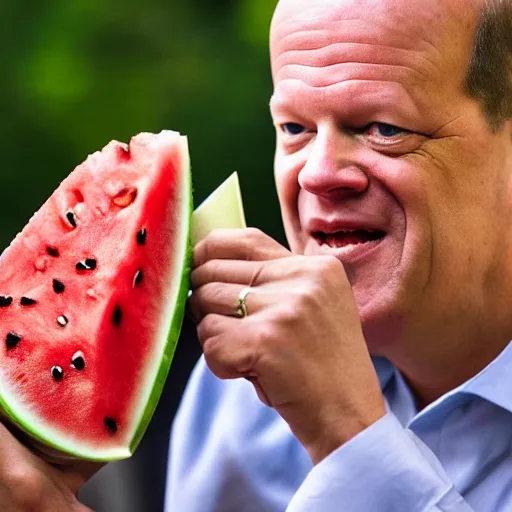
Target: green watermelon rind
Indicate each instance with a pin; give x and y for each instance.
(176, 323)
(163, 371)
(62, 451)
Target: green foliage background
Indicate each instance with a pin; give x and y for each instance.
(78, 73)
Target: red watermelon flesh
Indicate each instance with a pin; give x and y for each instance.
(92, 296)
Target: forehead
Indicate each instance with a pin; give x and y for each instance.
(433, 28)
(377, 46)
(426, 19)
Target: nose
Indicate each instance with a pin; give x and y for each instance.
(332, 167)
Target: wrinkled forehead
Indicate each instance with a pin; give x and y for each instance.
(446, 26)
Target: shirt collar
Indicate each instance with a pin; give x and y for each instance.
(493, 382)
(490, 384)
(385, 371)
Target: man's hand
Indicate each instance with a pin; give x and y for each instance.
(301, 344)
(27, 484)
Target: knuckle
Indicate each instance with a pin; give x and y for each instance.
(245, 362)
(211, 348)
(213, 292)
(259, 274)
(334, 265)
(215, 237)
(328, 265)
(286, 316)
(200, 253)
(255, 234)
(215, 358)
(254, 238)
(296, 266)
(210, 270)
(264, 333)
(247, 247)
(302, 301)
(206, 248)
(327, 272)
(308, 300)
(207, 328)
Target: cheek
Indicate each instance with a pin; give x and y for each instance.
(286, 177)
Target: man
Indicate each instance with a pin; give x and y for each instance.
(394, 173)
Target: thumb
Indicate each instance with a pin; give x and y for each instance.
(71, 473)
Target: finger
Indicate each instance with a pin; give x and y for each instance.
(257, 273)
(237, 244)
(223, 299)
(228, 271)
(213, 325)
(16, 445)
(227, 348)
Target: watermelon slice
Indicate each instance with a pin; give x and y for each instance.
(92, 297)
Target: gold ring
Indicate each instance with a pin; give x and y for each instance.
(241, 310)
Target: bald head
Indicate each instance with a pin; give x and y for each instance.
(411, 13)
(415, 17)
(478, 34)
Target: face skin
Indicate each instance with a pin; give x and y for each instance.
(375, 132)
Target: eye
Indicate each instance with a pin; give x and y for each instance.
(390, 139)
(384, 130)
(292, 128)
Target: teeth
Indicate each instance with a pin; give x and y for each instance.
(352, 231)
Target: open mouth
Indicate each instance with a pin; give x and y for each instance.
(348, 237)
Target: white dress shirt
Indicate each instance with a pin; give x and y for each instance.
(230, 453)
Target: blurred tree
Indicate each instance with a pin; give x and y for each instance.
(80, 73)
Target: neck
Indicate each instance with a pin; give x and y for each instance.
(434, 368)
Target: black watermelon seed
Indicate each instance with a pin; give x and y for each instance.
(58, 287)
(5, 301)
(53, 251)
(141, 236)
(12, 339)
(62, 320)
(139, 276)
(117, 316)
(88, 264)
(91, 263)
(57, 372)
(78, 362)
(111, 425)
(71, 218)
(25, 301)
